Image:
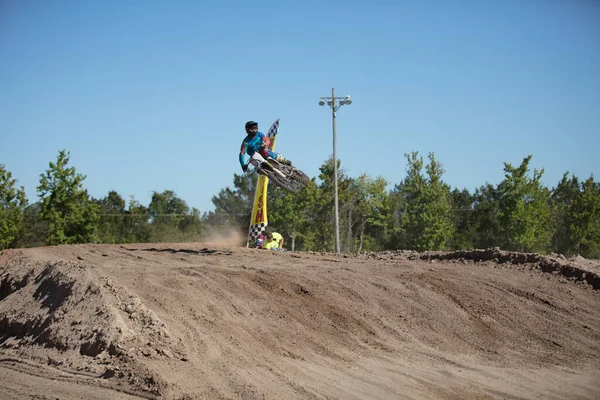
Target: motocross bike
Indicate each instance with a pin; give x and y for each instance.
(284, 176)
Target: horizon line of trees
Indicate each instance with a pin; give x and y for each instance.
(421, 212)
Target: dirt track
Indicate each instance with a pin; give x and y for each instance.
(187, 321)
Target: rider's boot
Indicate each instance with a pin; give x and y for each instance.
(283, 160)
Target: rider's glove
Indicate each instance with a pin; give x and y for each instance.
(244, 168)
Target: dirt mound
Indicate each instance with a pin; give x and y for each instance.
(576, 268)
(63, 313)
(185, 321)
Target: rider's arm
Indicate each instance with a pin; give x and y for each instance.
(243, 152)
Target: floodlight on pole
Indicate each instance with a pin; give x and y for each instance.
(335, 103)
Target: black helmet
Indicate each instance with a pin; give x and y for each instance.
(250, 124)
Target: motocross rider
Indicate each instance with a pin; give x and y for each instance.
(257, 141)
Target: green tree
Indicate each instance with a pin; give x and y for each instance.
(35, 229)
(111, 225)
(233, 207)
(397, 237)
(12, 205)
(167, 213)
(525, 215)
(66, 206)
(412, 222)
(322, 225)
(584, 220)
(426, 219)
(192, 226)
(290, 214)
(136, 223)
(486, 214)
(462, 219)
(439, 227)
(562, 199)
(369, 212)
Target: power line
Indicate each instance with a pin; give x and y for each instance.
(165, 215)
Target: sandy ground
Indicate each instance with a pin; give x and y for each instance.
(211, 321)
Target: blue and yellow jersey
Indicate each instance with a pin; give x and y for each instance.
(251, 145)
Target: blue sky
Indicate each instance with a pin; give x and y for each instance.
(153, 95)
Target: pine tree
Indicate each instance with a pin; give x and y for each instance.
(323, 225)
(562, 199)
(12, 206)
(111, 224)
(584, 220)
(486, 213)
(462, 219)
(233, 207)
(66, 206)
(370, 213)
(290, 214)
(524, 207)
(426, 220)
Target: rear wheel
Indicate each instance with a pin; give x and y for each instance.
(295, 174)
(300, 176)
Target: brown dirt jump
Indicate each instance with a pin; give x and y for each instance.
(216, 321)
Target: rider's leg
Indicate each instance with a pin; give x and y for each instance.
(266, 153)
(276, 156)
(282, 160)
(279, 158)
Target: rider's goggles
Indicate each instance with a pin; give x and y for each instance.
(254, 129)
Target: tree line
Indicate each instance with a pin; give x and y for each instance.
(421, 212)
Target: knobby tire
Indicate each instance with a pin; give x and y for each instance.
(282, 183)
(300, 176)
(295, 174)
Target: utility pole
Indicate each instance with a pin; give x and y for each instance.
(335, 103)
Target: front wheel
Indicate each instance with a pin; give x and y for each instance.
(281, 182)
